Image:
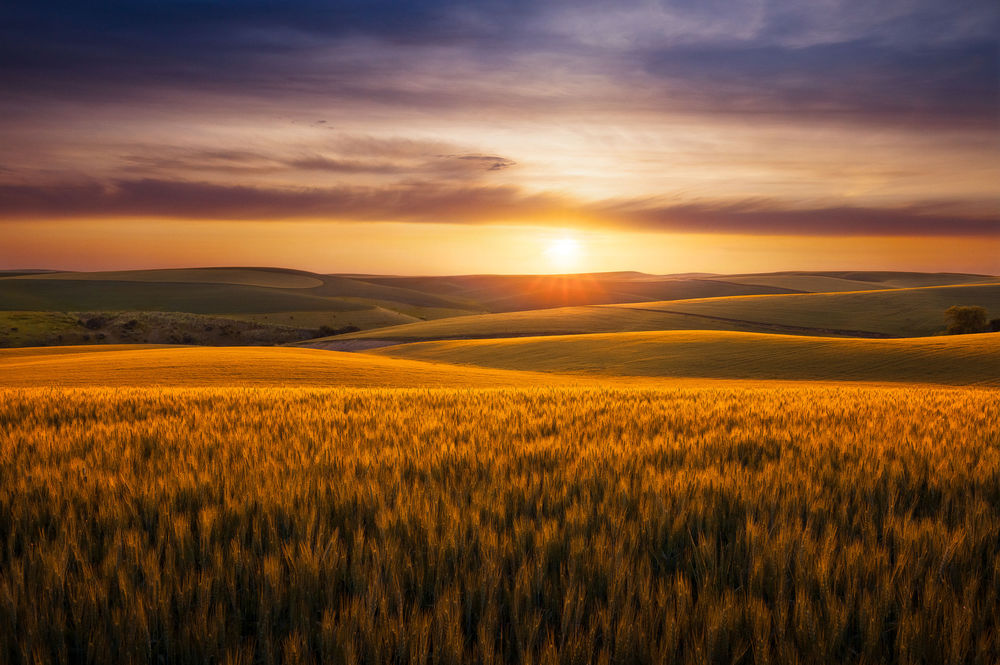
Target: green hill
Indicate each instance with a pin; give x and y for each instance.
(273, 305)
(558, 321)
(909, 312)
(202, 305)
(272, 277)
(825, 282)
(959, 359)
(885, 313)
(507, 293)
(204, 291)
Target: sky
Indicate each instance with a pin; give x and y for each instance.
(480, 136)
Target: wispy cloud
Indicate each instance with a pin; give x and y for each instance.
(428, 202)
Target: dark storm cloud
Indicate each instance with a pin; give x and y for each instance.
(424, 202)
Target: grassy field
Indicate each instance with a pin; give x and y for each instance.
(506, 293)
(502, 293)
(909, 312)
(134, 365)
(261, 289)
(21, 329)
(898, 312)
(290, 305)
(556, 360)
(276, 278)
(551, 525)
(557, 321)
(202, 306)
(212, 298)
(954, 359)
(665, 496)
(824, 282)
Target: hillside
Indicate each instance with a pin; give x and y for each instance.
(238, 306)
(958, 359)
(501, 293)
(884, 313)
(506, 293)
(904, 312)
(215, 306)
(202, 291)
(165, 366)
(856, 280)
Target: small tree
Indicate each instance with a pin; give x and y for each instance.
(995, 325)
(965, 319)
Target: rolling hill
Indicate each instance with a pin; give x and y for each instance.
(507, 293)
(240, 305)
(203, 291)
(903, 312)
(856, 280)
(958, 359)
(218, 306)
(877, 313)
(531, 361)
(167, 366)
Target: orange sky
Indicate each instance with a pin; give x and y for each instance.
(414, 249)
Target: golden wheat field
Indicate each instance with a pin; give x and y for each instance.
(708, 524)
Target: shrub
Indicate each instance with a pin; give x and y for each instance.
(327, 331)
(965, 319)
(94, 323)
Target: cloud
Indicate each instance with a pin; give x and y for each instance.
(321, 163)
(345, 155)
(194, 200)
(775, 218)
(859, 81)
(915, 61)
(423, 203)
(487, 162)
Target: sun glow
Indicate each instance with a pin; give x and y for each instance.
(564, 252)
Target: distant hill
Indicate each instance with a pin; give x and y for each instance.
(507, 293)
(263, 305)
(219, 291)
(902, 312)
(217, 306)
(885, 313)
(822, 282)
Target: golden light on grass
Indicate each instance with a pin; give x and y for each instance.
(372, 525)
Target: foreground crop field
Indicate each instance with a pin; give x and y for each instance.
(543, 525)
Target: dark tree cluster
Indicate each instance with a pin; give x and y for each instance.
(966, 319)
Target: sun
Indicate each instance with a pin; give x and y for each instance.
(563, 252)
